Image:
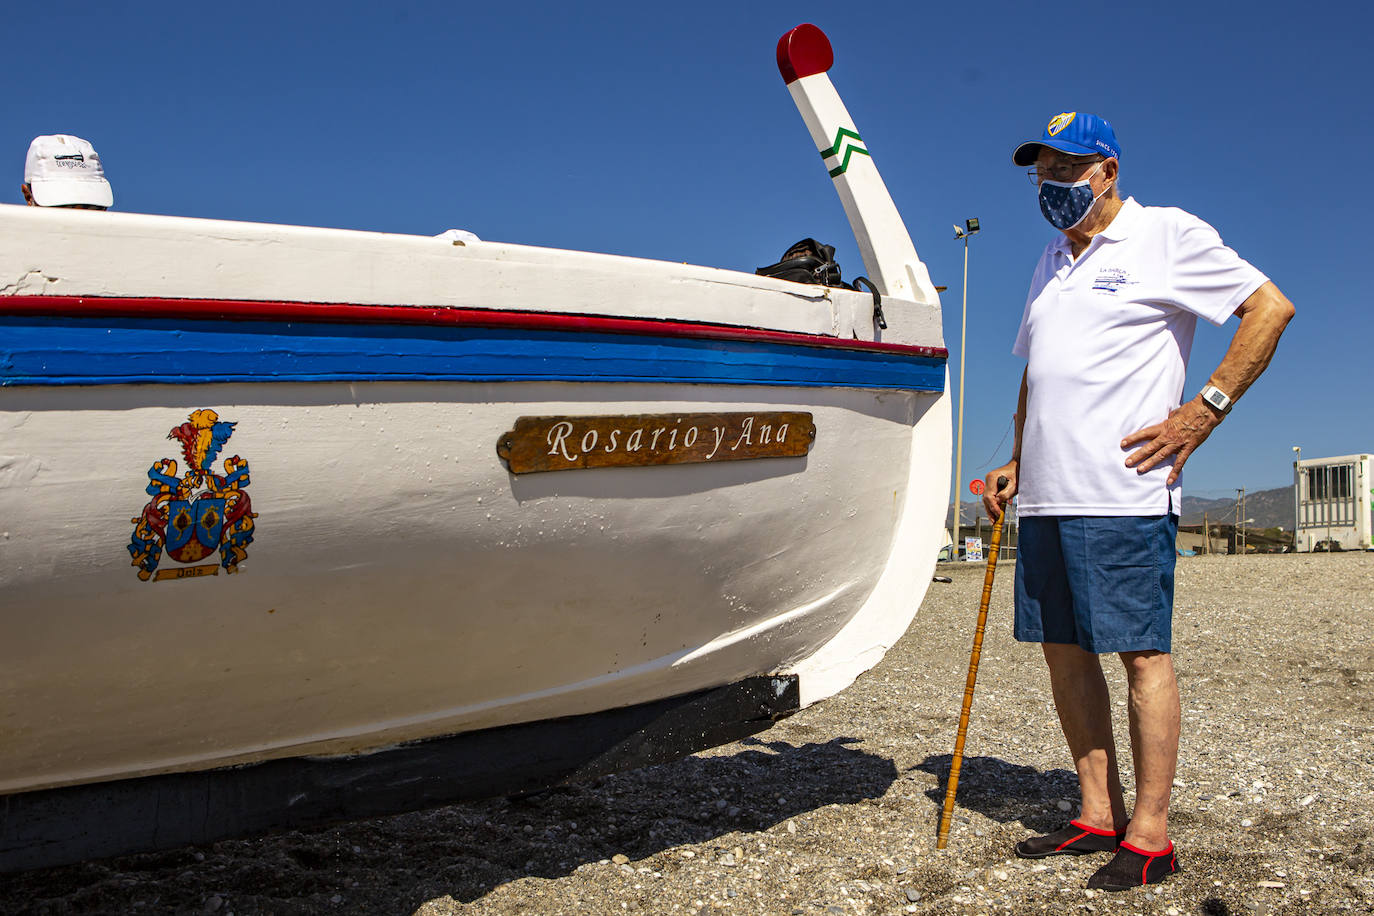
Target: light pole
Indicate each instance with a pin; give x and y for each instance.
(1297, 493)
(1240, 521)
(969, 228)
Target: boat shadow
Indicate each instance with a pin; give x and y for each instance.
(464, 852)
(1003, 791)
(688, 803)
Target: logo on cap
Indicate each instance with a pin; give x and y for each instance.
(1059, 122)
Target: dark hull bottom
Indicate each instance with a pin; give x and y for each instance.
(60, 826)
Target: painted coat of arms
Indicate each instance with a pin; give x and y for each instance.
(192, 516)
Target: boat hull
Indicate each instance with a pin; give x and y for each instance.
(261, 512)
(60, 826)
(400, 583)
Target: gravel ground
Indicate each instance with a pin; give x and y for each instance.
(834, 811)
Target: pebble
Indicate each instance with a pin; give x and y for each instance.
(852, 770)
(213, 904)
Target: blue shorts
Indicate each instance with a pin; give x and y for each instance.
(1105, 583)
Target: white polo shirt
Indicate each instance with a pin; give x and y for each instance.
(1106, 338)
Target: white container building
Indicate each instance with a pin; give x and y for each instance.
(1333, 498)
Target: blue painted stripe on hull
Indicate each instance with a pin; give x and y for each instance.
(66, 351)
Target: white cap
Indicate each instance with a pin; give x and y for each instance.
(62, 170)
(458, 235)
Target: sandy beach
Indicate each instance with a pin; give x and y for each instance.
(834, 810)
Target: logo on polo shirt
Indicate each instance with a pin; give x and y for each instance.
(1111, 279)
(1059, 122)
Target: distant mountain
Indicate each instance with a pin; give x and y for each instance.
(968, 512)
(1268, 508)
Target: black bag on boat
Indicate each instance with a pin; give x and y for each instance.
(808, 261)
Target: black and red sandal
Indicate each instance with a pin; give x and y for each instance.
(1074, 840)
(1132, 867)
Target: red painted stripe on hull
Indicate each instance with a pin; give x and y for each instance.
(249, 310)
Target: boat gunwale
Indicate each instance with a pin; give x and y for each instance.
(443, 316)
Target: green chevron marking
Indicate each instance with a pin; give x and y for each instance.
(840, 135)
(849, 150)
(844, 164)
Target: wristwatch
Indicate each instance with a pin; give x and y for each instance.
(1217, 398)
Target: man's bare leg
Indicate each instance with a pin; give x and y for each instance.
(1154, 716)
(1080, 697)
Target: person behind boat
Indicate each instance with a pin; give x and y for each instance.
(1101, 440)
(65, 171)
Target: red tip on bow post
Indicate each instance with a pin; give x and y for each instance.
(804, 51)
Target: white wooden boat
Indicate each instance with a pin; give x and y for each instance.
(298, 524)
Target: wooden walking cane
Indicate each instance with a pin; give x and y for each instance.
(942, 838)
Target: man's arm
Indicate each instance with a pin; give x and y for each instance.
(994, 499)
(1263, 317)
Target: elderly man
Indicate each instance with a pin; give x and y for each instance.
(64, 171)
(1102, 434)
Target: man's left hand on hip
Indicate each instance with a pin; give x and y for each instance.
(1186, 427)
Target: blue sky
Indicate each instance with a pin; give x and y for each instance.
(659, 132)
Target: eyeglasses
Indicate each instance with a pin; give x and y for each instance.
(1061, 172)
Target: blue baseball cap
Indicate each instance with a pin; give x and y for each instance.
(1075, 133)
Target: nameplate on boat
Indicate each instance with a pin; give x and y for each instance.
(572, 443)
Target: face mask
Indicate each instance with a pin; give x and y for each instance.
(1064, 204)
